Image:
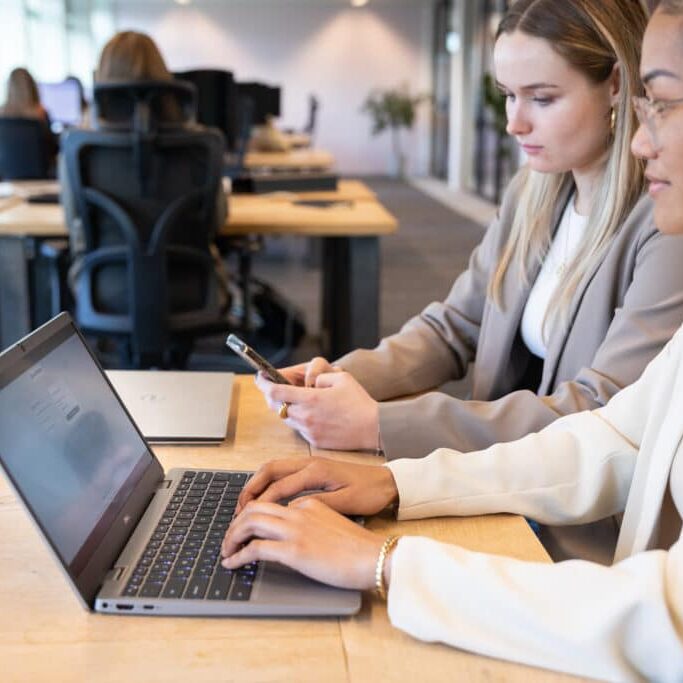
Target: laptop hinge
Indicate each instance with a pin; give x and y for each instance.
(165, 484)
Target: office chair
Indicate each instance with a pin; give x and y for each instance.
(220, 106)
(233, 166)
(145, 187)
(313, 106)
(24, 149)
(311, 123)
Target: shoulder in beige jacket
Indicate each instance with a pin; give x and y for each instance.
(623, 313)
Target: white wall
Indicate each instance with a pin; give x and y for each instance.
(328, 48)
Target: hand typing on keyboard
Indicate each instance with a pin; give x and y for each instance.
(307, 536)
(346, 487)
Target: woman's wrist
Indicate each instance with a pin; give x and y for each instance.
(382, 569)
(388, 487)
(371, 439)
(387, 569)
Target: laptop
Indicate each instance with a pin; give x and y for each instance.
(176, 407)
(130, 538)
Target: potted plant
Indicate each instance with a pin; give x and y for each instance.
(393, 109)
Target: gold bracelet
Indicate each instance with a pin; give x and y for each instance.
(387, 547)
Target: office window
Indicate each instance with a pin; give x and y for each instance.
(46, 38)
(441, 78)
(496, 157)
(53, 38)
(13, 47)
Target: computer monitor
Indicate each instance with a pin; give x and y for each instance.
(63, 102)
(216, 101)
(265, 98)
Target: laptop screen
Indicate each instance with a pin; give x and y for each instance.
(62, 101)
(67, 444)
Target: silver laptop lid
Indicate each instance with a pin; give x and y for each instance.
(169, 407)
(71, 451)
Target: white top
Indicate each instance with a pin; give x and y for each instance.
(560, 255)
(618, 623)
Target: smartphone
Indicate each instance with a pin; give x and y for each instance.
(256, 360)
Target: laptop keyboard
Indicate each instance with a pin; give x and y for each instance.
(182, 558)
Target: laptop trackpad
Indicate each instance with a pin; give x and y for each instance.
(283, 585)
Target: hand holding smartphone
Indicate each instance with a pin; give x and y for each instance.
(256, 360)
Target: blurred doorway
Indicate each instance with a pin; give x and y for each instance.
(441, 77)
(495, 155)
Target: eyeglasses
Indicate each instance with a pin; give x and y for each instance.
(651, 112)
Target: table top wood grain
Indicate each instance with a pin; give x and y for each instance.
(46, 635)
(355, 211)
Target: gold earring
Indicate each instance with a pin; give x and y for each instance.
(612, 121)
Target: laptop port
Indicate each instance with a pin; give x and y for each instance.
(148, 606)
(125, 607)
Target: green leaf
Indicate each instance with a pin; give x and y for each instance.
(394, 108)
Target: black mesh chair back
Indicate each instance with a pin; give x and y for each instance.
(24, 149)
(147, 199)
(144, 105)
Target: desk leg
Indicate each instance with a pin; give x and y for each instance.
(15, 302)
(350, 315)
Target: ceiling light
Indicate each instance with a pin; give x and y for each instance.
(183, 2)
(359, 3)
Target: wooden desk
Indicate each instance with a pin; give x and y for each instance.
(298, 140)
(351, 269)
(269, 214)
(277, 216)
(354, 190)
(9, 202)
(292, 139)
(294, 160)
(45, 635)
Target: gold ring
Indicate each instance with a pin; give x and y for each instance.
(284, 407)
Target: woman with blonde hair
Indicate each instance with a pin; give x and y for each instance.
(23, 101)
(568, 297)
(22, 97)
(619, 623)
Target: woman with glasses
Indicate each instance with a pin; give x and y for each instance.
(572, 290)
(618, 623)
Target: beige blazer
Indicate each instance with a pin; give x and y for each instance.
(623, 313)
(619, 623)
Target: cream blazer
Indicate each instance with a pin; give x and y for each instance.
(623, 313)
(618, 623)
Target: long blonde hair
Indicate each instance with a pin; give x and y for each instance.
(593, 36)
(22, 95)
